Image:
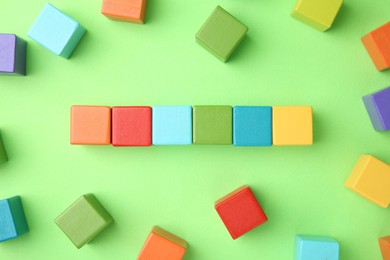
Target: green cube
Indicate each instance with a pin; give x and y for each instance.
(3, 154)
(221, 34)
(84, 220)
(212, 125)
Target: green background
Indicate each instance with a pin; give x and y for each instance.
(280, 62)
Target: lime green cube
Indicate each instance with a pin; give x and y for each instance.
(3, 154)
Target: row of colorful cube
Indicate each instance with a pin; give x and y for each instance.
(184, 125)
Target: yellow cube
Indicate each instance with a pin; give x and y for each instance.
(292, 125)
(370, 178)
(319, 14)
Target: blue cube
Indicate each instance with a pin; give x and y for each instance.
(56, 31)
(378, 108)
(12, 219)
(172, 125)
(316, 248)
(12, 55)
(252, 126)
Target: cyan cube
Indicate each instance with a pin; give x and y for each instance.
(252, 126)
(378, 108)
(12, 55)
(12, 219)
(172, 125)
(316, 248)
(56, 31)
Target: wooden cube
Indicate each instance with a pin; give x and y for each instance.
(240, 211)
(3, 154)
(384, 244)
(56, 31)
(125, 10)
(221, 34)
(12, 55)
(377, 46)
(90, 125)
(378, 108)
(84, 220)
(316, 247)
(12, 219)
(161, 244)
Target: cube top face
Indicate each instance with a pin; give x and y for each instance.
(7, 52)
(316, 248)
(381, 38)
(56, 31)
(84, 220)
(292, 125)
(384, 244)
(159, 247)
(371, 178)
(90, 125)
(172, 125)
(132, 126)
(125, 10)
(212, 125)
(13, 221)
(252, 126)
(318, 14)
(381, 100)
(221, 33)
(240, 211)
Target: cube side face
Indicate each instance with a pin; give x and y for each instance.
(90, 125)
(381, 101)
(373, 113)
(316, 247)
(54, 30)
(241, 213)
(292, 125)
(125, 10)
(212, 125)
(374, 52)
(131, 126)
(381, 39)
(172, 125)
(3, 154)
(221, 33)
(252, 126)
(73, 42)
(81, 222)
(171, 237)
(158, 247)
(384, 244)
(21, 49)
(15, 204)
(7, 53)
(7, 225)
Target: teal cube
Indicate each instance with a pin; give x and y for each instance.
(172, 125)
(3, 154)
(12, 219)
(56, 31)
(316, 248)
(221, 34)
(252, 126)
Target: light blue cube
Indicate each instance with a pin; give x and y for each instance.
(316, 248)
(12, 219)
(252, 126)
(172, 125)
(56, 31)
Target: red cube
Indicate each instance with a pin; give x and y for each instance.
(240, 211)
(131, 126)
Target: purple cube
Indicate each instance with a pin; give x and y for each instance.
(12, 55)
(378, 107)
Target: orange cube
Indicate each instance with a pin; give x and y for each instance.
(90, 125)
(132, 11)
(384, 244)
(161, 244)
(377, 46)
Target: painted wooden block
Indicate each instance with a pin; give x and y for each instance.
(378, 108)
(161, 244)
(377, 46)
(221, 34)
(12, 219)
(3, 154)
(12, 55)
(316, 247)
(132, 126)
(370, 178)
(292, 125)
(125, 10)
(252, 126)
(384, 244)
(90, 125)
(172, 125)
(56, 31)
(84, 220)
(240, 211)
(212, 124)
(318, 14)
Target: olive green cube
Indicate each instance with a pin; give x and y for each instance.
(212, 124)
(221, 34)
(3, 154)
(84, 220)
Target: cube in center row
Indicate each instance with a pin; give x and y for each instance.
(184, 125)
